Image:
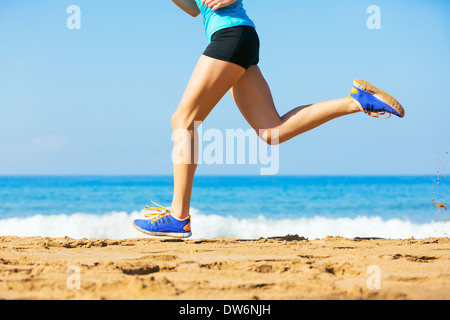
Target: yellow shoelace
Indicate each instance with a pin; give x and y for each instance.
(378, 114)
(160, 212)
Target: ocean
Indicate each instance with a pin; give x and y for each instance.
(247, 207)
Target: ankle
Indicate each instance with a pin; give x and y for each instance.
(179, 213)
(354, 105)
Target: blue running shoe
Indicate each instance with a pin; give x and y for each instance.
(375, 102)
(163, 223)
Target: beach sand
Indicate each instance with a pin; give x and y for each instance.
(224, 269)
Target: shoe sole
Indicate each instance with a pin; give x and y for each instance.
(380, 94)
(165, 234)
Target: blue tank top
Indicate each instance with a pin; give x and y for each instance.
(231, 16)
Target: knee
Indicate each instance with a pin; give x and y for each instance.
(175, 121)
(271, 136)
(180, 121)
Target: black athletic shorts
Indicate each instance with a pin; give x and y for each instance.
(239, 45)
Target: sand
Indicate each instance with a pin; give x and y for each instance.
(224, 269)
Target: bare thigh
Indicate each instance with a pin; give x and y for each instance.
(209, 82)
(254, 99)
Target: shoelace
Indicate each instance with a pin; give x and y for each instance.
(160, 212)
(378, 114)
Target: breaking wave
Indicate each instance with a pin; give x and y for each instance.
(118, 225)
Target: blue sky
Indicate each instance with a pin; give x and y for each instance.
(98, 100)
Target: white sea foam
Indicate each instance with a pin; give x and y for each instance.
(118, 225)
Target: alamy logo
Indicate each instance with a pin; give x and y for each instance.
(236, 146)
(374, 21)
(74, 280)
(374, 281)
(74, 20)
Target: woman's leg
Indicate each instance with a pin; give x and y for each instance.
(209, 82)
(254, 99)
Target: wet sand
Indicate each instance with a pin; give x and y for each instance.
(224, 269)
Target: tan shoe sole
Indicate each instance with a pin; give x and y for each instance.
(380, 94)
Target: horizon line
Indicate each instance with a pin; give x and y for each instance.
(228, 175)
